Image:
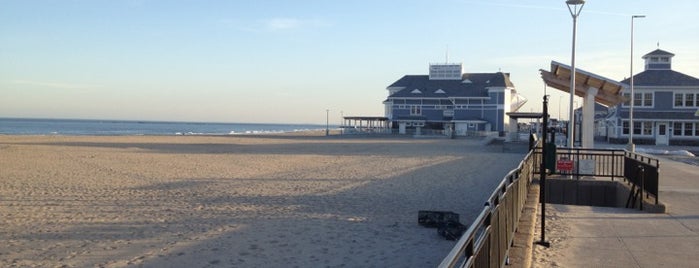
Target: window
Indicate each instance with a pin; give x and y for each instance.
(637, 99)
(677, 129)
(415, 110)
(686, 100)
(639, 128)
(689, 100)
(678, 99)
(647, 128)
(686, 129)
(648, 99)
(640, 99)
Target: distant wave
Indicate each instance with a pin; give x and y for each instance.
(20, 126)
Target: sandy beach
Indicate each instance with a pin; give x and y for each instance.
(236, 201)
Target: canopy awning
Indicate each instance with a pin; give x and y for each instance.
(609, 91)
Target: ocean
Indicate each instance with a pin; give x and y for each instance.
(24, 126)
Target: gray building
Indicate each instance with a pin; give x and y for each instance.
(451, 102)
(666, 106)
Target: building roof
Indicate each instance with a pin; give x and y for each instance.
(366, 118)
(658, 52)
(471, 85)
(662, 78)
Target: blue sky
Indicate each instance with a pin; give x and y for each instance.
(288, 61)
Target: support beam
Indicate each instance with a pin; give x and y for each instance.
(588, 118)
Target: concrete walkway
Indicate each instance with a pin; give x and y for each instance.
(615, 237)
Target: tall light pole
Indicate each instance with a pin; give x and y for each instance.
(560, 99)
(631, 146)
(327, 122)
(574, 6)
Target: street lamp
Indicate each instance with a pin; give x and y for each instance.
(574, 6)
(631, 146)
(327, 122)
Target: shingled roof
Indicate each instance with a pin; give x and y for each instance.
(662, 78)
(471, 85)
(658, 52)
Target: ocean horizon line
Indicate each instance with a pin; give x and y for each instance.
(114, 127)
(156, 121)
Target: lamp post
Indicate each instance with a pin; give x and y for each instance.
(560, 99)
(574, 6)
(631, 146)
(327, 122)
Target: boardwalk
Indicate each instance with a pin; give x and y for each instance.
(615, 237)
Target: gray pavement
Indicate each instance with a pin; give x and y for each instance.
(615, 237)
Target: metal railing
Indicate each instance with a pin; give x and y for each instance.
(606, 162)
(611, 163)
(642, 172)
(486, 242)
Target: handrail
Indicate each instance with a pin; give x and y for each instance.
(487, 240)
(488, 226)
(467, 239)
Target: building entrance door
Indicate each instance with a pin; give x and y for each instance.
(662, 135)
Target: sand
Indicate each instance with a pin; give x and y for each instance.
(236, 201)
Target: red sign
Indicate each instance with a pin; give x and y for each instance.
(564, 165)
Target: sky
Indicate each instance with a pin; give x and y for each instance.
(299, 61)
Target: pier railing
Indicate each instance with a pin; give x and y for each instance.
(604, 162)
(486, 242)
(638, 170)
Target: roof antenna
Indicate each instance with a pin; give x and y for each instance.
(447, 55)
(658, 44)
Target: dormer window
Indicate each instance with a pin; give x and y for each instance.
(439, 91)
(416, 91)
(467, 81)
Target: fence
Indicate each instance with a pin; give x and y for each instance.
(642, 172)
(638, 170)
(487, 240)
(606, 162)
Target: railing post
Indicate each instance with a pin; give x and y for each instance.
(542, 172)
(642, 171)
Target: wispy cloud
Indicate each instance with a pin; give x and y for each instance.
(281, 24)
(278, 24)
(58, 85)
